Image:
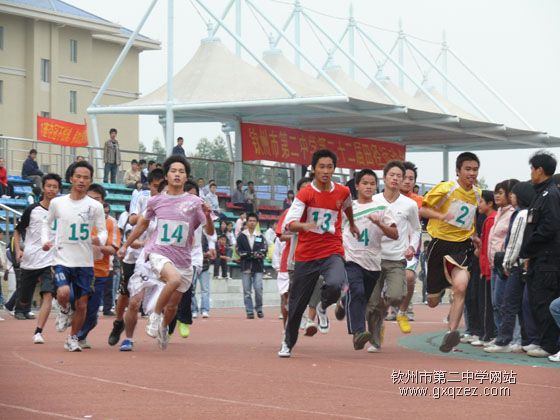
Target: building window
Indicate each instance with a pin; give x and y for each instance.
(1, 91)
(73, 51)
(45, 70)
(1, 37)
(45, 114)
(73, 102)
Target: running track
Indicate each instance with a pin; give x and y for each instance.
(228, 368)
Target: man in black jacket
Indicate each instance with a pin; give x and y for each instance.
(30, 169)
(252, 248)
(541, 245)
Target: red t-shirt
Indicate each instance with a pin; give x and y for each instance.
(325, 209)
(3, 176)
(484, 236)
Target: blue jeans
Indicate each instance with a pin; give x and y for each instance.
(204, 280)
(498, 285)
(93, 307)
(529, 321)
(252, 281)
(110, 169)
(511, 307)
(555, 310)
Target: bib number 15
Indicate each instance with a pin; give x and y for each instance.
(79, 232)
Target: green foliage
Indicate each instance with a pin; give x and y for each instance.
(215, 150)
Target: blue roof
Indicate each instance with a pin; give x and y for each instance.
(70, 10)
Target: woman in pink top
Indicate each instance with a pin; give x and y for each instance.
(496, 242)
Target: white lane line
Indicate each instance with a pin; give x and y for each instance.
(44, 413)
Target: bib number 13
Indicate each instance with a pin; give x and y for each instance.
(326, 220)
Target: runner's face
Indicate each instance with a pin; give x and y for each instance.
(81, 180)
(177, 175)
(324, 170)
(408, 182)
(468, 173)
(50, 189)
(154, 186)
(251, 223)
(500, 198)
(366, 187)
(394, 178)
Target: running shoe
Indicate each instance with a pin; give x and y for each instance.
(530, 347)
(405, 327)
(468, 338)
(115, 336)
(250, 315)
(127, 345)
(373, 349)
(38, 339)
(339, 311)
(153, 324)
(450, 340)
(260, 314)
(477, 343)
(360, 339)
(71, 343)
(84, 344)
(392, 315)
(184, 329)
(64, 318)
(410, 315)
(20, 316)
(195, 315)
(310, 328)
(554, 357)
(285, 351)
(162, 335)
(540, 352)
(206, 315)
(515, 348)
(2, 319)
(495, 348)
(324, 325)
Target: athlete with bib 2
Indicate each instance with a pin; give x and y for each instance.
(451, 208)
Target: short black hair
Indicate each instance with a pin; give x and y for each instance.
(358, 177)
(176, 159)
(80, 164)
(556, 179)
(199, 179)
(54, 177)
(545, 160)
(112, 130)
(222, 237)
(303, 181)
(238, 182)
(155, 175)
(98, 189)
(189, 185)
(465, 156)
(212, 184)
(394, 164)
(133, 161)
(151, 162)
(179, 138)
(323, 153)
(488, 196)
(290, 192)
(409, 166)
(106, 205)
(252, 215)
(250, 183)
(33, 152)
(507, 186)
(142, 161)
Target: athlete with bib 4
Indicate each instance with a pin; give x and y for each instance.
(451, 208)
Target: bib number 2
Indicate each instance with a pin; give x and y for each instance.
(464, 213)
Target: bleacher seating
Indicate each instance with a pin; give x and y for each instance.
(18, 180)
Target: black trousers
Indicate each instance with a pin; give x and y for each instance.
(543, 282)
(472, 301)
(485, 310)
(184, 313)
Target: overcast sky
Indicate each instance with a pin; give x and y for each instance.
(513, 45)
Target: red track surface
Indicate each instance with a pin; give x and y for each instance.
(228, 368)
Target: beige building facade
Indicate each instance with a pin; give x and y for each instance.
(52, 63)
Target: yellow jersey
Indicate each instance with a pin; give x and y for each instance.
(450, 197)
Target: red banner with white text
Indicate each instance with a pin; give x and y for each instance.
(61, 132)
(281, 144)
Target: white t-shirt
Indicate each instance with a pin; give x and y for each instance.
(132, 254)
(31, 225)
(196, 253)
(405, 213)
(366, 251)
(75, 220)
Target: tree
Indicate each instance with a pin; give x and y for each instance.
(483, 185)
(142, 148)
(209, 152)
(158, 148)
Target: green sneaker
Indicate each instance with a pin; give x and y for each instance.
(361, 339)
(184, 329)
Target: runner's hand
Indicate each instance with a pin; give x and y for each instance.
(446, 217)
(409, 253)
(121, 252)
(47, 246)
(309, 226)
(375, 218)
(355, 231)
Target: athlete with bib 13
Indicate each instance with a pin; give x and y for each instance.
(451, 208)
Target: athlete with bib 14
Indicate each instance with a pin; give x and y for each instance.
(451, 207)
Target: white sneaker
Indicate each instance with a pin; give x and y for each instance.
(540, 352)
(310, 328)
(554, 357)
(64, 318)
(490, 343)
(162, 335)
(2, 319)
(515, 348)
(497, 349)
(468, 338)
(205, 314)
(373, 349)
(530, 347)
(323, 319)
(284, 350)
(71, 343)
(84, 344)
(477, 343)
(38, 339)
(194, 315)
(153, 324)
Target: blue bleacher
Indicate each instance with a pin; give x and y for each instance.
(18, 180)
(16, 203)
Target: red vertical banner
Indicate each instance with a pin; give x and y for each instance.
(282, 144)
(61, 132)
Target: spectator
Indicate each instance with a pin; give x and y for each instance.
(178, 149)
(30, 169)
(143, 171)
(223, 256)
(238, 197)
(270, 234)
(201, 187)
(288, 200)
(222, 230)
(69, 169)
(416, 189)
(252, 249)
(146, 171)
(112, 157)
(230, 234)
(6, 189)
(158, 166)
(251, 197)
(212, 199)
(352, 187)
(240, 223)
(133, 175)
